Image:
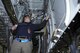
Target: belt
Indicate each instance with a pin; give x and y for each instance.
(22, 37)
(23, 40)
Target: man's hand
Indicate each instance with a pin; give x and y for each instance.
(47, 18)
(14, 27)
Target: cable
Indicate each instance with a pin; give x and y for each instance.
(39, 44)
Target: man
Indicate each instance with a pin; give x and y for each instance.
(23, 41)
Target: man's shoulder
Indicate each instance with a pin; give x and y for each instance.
(25, 23)
(21, 24)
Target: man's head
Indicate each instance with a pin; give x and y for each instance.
(26, 18)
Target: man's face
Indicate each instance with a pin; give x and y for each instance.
(27, 19)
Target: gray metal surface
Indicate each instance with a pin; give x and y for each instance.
(2, 10)
(22, 7)
(59, 8)
(36, 4)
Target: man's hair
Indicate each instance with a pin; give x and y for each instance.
(25, 17)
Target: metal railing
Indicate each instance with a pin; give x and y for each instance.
(4, 34)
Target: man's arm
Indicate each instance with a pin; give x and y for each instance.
(37, 27)
(13, 29)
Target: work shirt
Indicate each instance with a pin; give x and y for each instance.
(27, 29)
